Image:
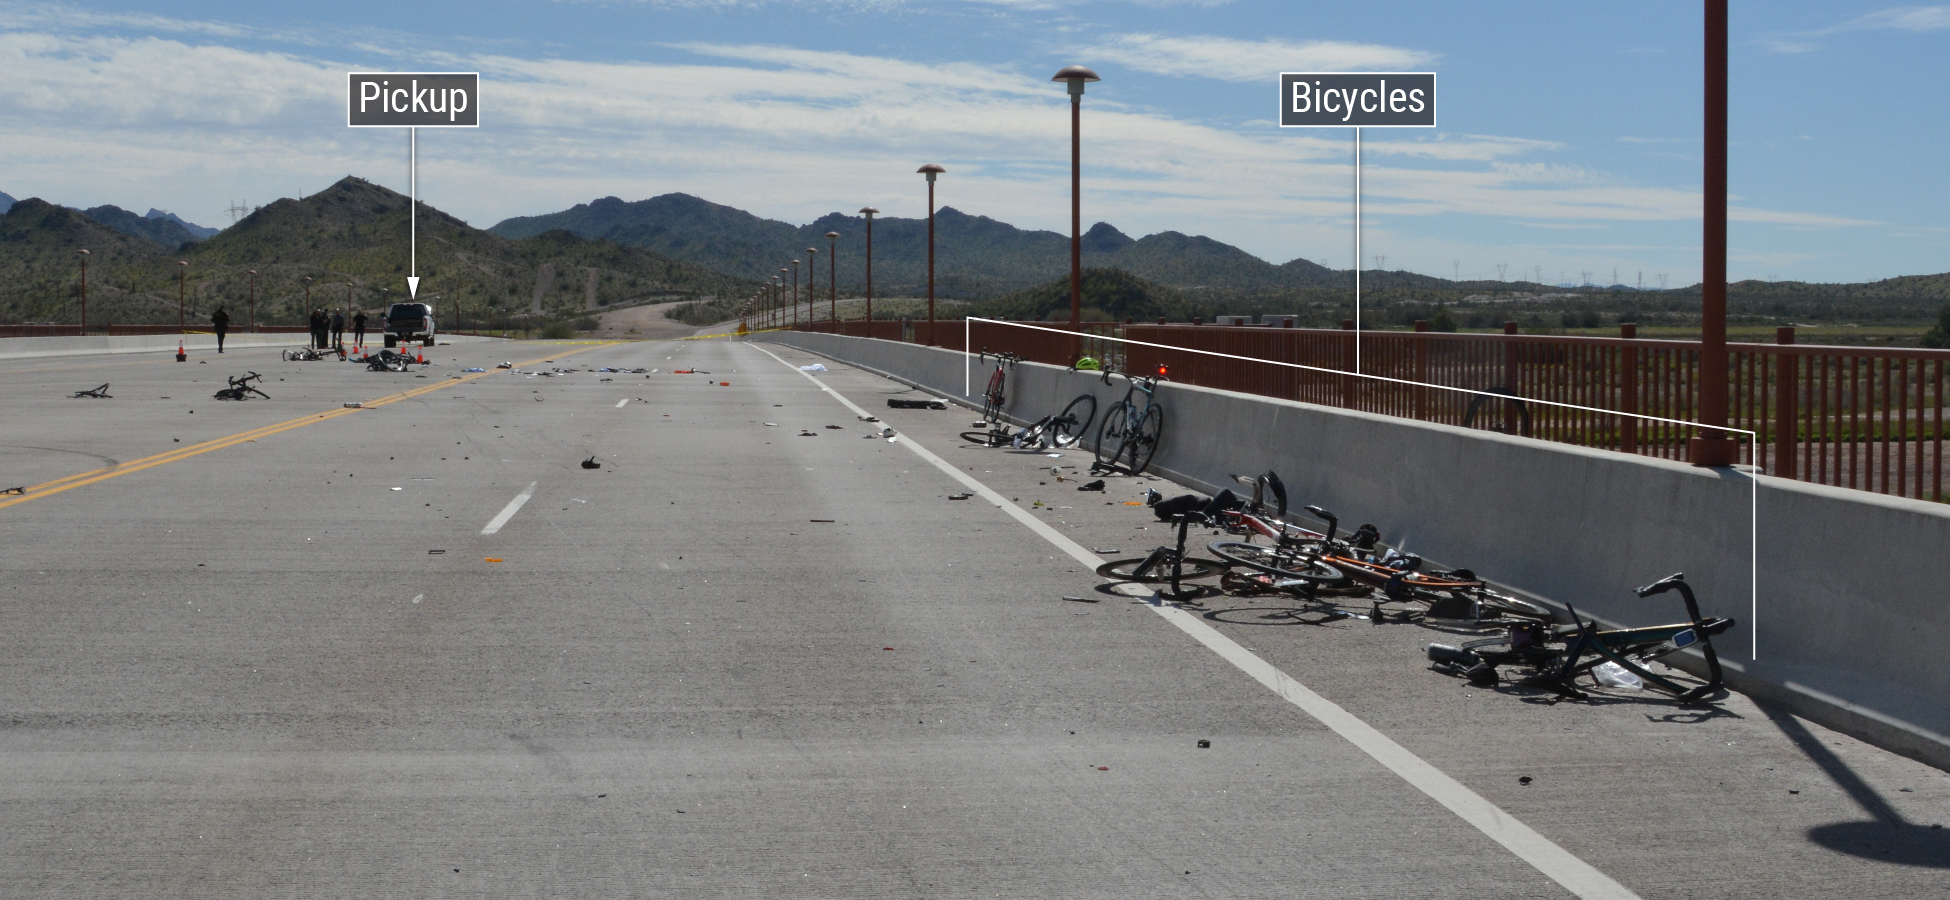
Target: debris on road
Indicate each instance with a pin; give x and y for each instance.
(505, 365)
(491, 559)
(1097, 485)
(861, 418)
(355, 406)
(771, 424)
(1204, 744)
(100, 393)
(591, 463)
(807, 434)
(815, 367)
(960, 496)
(827, 521)
(1084, 599)
(833, 427)
(15, 490)
(474, 369)
(899, 403)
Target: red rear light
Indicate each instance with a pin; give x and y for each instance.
(1163, 370)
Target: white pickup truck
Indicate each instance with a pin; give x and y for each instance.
(406, 322)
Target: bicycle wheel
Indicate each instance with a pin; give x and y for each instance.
(980, 438)
(1129, 570)
(1074, 422)
(1110, 434)
(1145, 441)
(1274, 561)
(292, 356)
(1513, 607)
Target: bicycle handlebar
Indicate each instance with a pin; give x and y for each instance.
(1677, 579)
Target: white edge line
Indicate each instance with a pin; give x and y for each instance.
(619, 403)
(1574, 874)
(508, 512)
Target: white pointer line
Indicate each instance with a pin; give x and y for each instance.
(1555, 862)
(508, 512)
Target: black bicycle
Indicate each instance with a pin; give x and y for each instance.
(1557, 655)
(312, 354)
(1065, 429)
(1166, 565)
(1129, 434)
(241, 388)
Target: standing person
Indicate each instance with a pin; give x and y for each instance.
(338, 329)
(317, 329)
(220, 323)
(359, 328)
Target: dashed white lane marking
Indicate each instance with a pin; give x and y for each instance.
(1556, 863)
(508, 512)
(619, 403)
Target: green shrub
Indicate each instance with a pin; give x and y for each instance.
(1940, 335)
(557, 331)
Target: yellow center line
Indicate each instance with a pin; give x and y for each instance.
(58, 485)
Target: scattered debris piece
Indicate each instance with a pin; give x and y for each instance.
(815, 367)
(474, 369)
(355, 406)
(491, 559)
(861, 418)
(833, 427)
(1097, 485)
(100, 393)
(807, 434)
(959, 496)
(505, 365)
(591, 463)
(1084, 599)
(1204, 744)
(399, 489)
(1524, 779)
(827, 521)
(435, 552)
(901, 403)
(771, 424)
(15, 490)
(1103, 552)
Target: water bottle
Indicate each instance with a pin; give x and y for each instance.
(1612, 674)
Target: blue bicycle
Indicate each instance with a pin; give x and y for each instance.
(1129, 434)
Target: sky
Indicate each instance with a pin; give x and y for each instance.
(1568, 138)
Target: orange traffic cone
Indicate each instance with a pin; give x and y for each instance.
(180, 355)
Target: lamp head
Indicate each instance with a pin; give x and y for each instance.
(930, 170)
(84, 252)
(1076, 77)
(182, 262)
(832, 235)
(869, 211)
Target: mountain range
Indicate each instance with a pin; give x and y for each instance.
(976, 257)
(351, 240)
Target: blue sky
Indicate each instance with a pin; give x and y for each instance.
(1569, 138)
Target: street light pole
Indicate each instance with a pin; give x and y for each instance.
(795, 293)
(931, 170)
(1712, 447)
(83, 253)
(182, 280)
(812, 290)
(1076, 77)
(832, 279)
(869, 212)
(253, 309)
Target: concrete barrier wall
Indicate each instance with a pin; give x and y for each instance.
(1853, 616)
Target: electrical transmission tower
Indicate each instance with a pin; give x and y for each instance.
(238, 210)
(1457, 264)
(1380, 261)
(1500, 269)
(1662, 281)
(1540, 275)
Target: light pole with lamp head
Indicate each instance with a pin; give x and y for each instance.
(832, 279)
(931, 170)
(253, 308)
(182, 307)
(1076, 77)
(869, 212)
(308, 309)
(84, 254)
(795, 293)
(812, 289)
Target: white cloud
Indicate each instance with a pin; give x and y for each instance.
(1229, 59)
(1903, 18)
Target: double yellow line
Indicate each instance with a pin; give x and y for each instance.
(84, 479)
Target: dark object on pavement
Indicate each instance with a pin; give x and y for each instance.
(240, 389)
(1204, 744)
(591, 463)
(959, 496)
(1196, 506)
(1097, 485)
(899, 403)
(1084, 599)
(15, 490)
(1524, 780)
(99, 393)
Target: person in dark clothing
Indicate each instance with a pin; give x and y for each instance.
(220, 323)
(317, 329)
(359, 328)
(338, 329)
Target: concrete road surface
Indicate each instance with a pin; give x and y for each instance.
(283, 648)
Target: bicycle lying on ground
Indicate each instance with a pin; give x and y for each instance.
(1557, 655)
(1129, 434)
(312, 354)
(241, 388)
(1309, 560)
(1166, 565)
(1064, 429)
(388, 361)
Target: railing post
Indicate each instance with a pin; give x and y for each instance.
(1347, 363)
(1510, 378)
(1787, 415)
(1420, 347)
(1628, 388)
